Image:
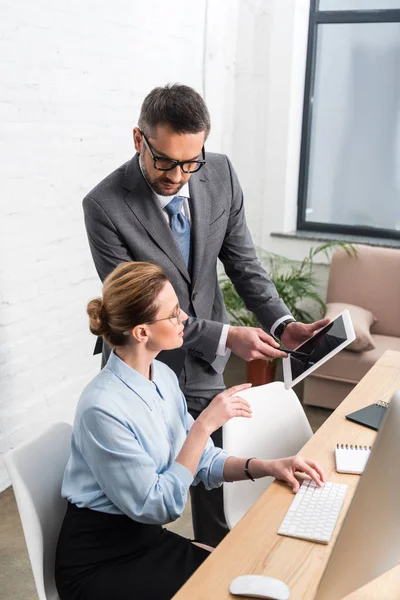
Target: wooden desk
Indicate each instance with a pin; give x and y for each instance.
(253, 546)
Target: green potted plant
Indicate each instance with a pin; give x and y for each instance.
(296, 284)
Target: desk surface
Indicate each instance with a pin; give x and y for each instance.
(254, 546)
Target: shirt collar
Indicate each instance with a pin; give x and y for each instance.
(138, 383)
(164, 200)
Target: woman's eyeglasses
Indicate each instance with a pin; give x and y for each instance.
(175, 319)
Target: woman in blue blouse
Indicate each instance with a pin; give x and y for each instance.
(136, 450)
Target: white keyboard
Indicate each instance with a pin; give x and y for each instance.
(314, 511)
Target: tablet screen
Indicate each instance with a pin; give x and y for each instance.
(319, 346)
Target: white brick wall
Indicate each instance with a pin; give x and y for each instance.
(72, 79)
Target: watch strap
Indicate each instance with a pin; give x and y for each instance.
(281, 327)
(246, 469)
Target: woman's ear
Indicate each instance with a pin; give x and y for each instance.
(140, 333)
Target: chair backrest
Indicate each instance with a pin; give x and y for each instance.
(279, 427)
(370, 280)
(36, 470)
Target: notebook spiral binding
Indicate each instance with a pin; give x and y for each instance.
(382, 403)
(353, 447)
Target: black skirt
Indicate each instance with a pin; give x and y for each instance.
(111, 557)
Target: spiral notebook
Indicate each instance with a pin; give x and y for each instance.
(351, 458)
(370, 416)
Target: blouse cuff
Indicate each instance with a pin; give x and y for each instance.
(182, 473)
(216, 473)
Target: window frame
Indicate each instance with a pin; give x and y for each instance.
(322, 17)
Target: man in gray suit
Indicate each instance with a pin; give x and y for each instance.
(182, 208)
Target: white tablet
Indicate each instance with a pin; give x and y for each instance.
(338, 334)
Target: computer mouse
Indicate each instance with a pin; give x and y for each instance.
(259, 586)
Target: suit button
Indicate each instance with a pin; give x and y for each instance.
(194, 296)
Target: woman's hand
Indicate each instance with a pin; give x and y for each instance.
(285, 469)
(225, 406)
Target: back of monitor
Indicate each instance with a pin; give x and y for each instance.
(368, 543)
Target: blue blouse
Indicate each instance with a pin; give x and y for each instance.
(127, 433)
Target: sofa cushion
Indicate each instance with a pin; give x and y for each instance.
(352, 366)
(362, 320)
(371, 280)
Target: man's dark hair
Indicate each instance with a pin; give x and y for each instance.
(178, 106)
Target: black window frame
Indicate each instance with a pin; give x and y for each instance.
(319, 17)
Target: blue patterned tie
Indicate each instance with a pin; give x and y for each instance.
(180, 226)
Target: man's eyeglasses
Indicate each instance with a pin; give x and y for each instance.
(175, 319)
(168, 164)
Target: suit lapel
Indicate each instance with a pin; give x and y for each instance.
(200, 214)
(143, 203)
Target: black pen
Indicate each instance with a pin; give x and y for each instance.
(294, 352)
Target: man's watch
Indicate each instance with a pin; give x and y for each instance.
(281, 327)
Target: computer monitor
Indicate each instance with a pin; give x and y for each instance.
(368, 543)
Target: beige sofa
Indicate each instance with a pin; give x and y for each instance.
(370, 280)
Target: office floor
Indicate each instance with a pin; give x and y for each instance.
(16, 581)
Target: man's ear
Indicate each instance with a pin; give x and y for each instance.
(137, 139)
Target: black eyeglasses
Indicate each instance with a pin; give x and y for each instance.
(167, 164)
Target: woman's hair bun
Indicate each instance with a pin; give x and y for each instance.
(98, 322)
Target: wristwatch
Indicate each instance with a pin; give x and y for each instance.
(281, 327)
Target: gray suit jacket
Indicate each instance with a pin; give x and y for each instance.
(124, 222)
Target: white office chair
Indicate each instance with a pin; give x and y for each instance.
(279, 427)
(36, 470)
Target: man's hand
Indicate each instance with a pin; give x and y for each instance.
(250, 343)
(297, 333)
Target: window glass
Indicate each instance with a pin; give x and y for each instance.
(354, 161)
(358, 4)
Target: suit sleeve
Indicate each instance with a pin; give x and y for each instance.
(106, 245)
(242, 266)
